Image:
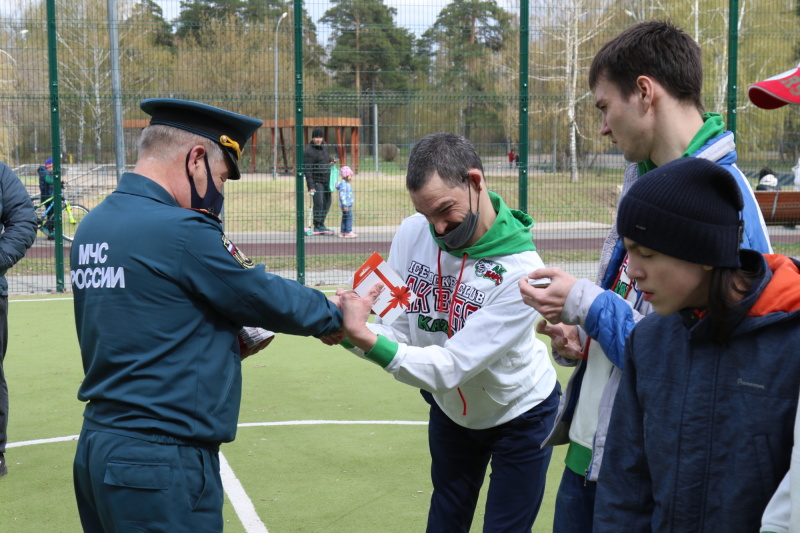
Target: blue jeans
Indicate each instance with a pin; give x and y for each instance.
(460, 456)
(574, 504)
(347, 220)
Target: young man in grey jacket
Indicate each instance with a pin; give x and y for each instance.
(647, 85)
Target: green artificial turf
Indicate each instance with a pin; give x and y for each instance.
(300, 478)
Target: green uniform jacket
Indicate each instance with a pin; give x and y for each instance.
(160, 295)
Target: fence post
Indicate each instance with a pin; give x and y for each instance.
(300, 187)
(116, 86)
(524, 30)
(55, 140)
(733, 57)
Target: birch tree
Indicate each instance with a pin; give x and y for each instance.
(85, 69)
(506, 66)
(567, 25)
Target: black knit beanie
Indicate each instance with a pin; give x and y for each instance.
(688, 209)
(316, 132)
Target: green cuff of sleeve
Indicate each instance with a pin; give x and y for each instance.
(347, 344)
(383, 352)
(578, 458)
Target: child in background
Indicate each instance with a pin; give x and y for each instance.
(346, 202)
(701, 430)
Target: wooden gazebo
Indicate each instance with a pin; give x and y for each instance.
(339, 126)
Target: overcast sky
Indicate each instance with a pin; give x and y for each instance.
(416, 15)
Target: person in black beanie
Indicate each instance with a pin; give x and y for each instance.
(317, 165)
(701, 431)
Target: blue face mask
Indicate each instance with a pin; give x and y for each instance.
(458, 238)
(213, 200)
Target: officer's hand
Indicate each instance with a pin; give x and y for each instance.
(345, 209)
(564, 339)
(333, 339)
(246, 351)
(253, 339)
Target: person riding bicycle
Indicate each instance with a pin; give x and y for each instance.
(46, 179)
(46, 191)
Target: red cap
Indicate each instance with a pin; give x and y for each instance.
(777, 91)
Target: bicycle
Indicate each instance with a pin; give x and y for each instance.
(71, 216)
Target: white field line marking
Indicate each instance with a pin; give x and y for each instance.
(241, 502)
(335, 422)
(41, 441)
(40, 300)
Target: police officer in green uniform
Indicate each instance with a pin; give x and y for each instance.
(160, 297)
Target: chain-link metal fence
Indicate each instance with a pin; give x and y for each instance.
(375, 76)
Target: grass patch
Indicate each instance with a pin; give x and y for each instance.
(260, 203)
(564, 256)
(267, 204)
(349, 262)
(37, 266)
(790, 249)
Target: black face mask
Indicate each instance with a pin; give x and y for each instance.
(458, 238)
(213, 200)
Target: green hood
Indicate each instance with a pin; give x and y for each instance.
(712, 126)
(510, 234)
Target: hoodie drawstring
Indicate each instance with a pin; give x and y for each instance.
(451, 313)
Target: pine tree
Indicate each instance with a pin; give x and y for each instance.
(369, 50)
(464, 35)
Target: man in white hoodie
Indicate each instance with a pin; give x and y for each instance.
(467, 340)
